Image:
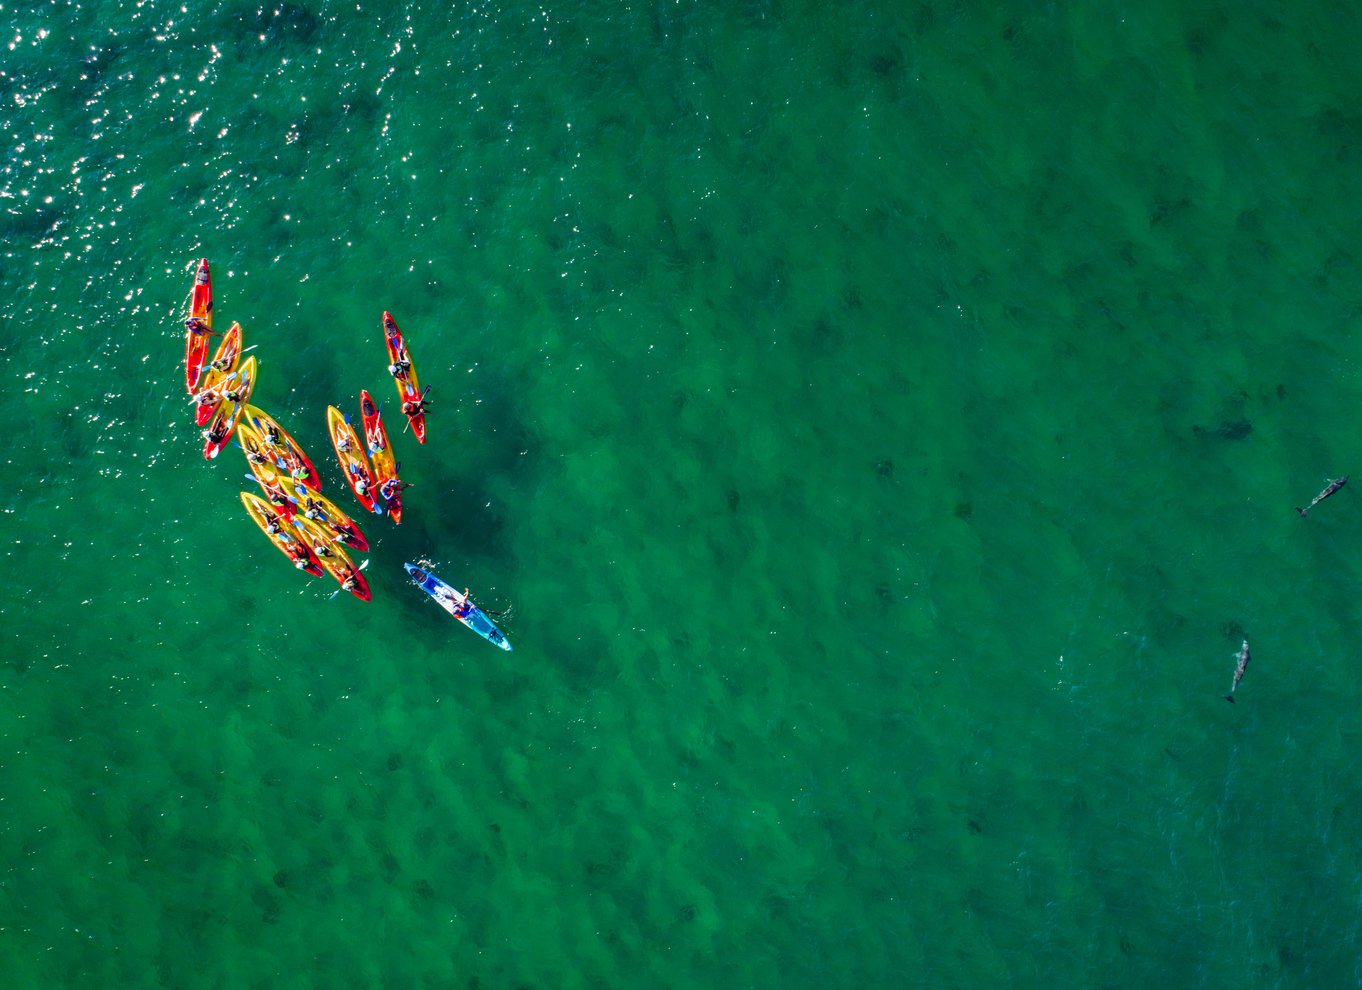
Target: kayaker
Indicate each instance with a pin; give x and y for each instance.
(208, 397)
(462, 609)
(321, 549)
(411, 408)
(399, 368)
(375, 439)
(221, 363)
(196, 325)
(392, 488)
(254, 456)
(342, 443)
(299, 471)
(272, 434)
(237, 394)
(351, 580)
(217, 432)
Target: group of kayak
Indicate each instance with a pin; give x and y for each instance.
(303, 524)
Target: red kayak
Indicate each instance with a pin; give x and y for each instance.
(380, 452)
(408, 386)
(197, 327)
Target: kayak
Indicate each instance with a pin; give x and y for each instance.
(225, 361)
(335, 561)
(385, 468)
(353, 461)
(283, 447)
(330, 518)
(229, 412)
(197, 327)
(266, 474)
(408, 387)
(286, 539)
(457, 605)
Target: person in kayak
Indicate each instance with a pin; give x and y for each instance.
(315, 510)
(254, 456)
(399, 368)
(298, 470)
(237, 394)
(197, 326)
(375, 439)
(464, 607)
(272, 434)
(275, 494)
(411, 408)
(342, 443)
(351, 580)
(208, 397)
(392, 488)
(216, 433)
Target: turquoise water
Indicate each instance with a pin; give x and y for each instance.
(882, 422)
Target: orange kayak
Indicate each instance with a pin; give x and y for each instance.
(359, 473)
(198, 326)
(408, 387)
(225, 361)
(281, 534)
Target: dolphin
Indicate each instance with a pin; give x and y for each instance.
(1332, 487)
(1239, 668)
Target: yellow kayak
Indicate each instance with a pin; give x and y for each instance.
(321, 510)
(296, 462)
(235, 397)
(332, 556)
(225, 361)
(359, 473)
(283, 536)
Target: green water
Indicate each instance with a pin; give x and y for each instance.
(882, 420)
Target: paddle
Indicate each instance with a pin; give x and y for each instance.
(251, 477)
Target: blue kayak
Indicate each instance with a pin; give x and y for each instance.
(457, 605)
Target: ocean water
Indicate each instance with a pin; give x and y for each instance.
(882, 422)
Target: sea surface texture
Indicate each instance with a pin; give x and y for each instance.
(880, 421)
